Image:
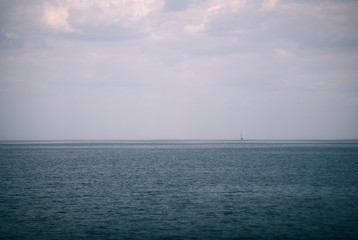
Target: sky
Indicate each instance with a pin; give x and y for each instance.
(178, 69)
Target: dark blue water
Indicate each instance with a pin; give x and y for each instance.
(179, 190)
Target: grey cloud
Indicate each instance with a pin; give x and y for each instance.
(277, 73)
(330, 25)
(174, 5)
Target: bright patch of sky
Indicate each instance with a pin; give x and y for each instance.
(170, 69)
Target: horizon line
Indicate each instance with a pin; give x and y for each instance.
(177, 139)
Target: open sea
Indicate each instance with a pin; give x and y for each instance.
(179, 190)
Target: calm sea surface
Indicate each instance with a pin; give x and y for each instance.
(179, 190)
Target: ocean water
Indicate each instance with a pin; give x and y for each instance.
(179, 190)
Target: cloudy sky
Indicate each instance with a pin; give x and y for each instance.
(178, 69)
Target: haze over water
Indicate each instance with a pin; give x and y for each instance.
(179, 190)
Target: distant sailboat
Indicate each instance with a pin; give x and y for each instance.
(242, 137)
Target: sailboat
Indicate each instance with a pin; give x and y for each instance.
(241, 137)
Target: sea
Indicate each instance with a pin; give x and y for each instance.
(176, 189)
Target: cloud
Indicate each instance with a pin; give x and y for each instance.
(269, 4)
(174, 5)
(282, 52)
(83, 16)
(178, 69)
(57, 18)
(194, 28)
(315, 23)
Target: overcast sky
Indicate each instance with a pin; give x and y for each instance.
(178, 69)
